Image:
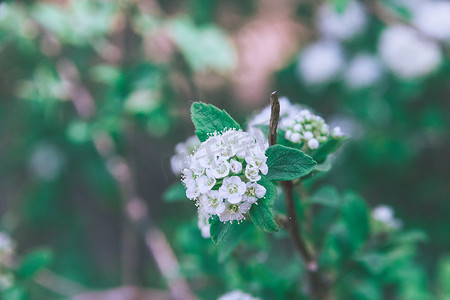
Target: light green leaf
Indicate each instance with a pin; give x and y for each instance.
(326, 196)
(219, 230)
(174, 193)
(261, 212)
(34, 262)
(355, 217)
(234, 237)
(329, 147)
(13, 293)
(287, 163)
(208, 119)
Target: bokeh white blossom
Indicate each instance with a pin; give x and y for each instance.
(385, 215)
(342, 25)
(363, 71)
(181, 159)
(320, 62)
(407, 53)
(237, 295)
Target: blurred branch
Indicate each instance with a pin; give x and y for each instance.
(58, 284)
(137, 213)
(136, 210)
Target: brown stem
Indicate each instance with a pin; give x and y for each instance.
(318, 288)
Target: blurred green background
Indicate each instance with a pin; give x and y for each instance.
(94, 95)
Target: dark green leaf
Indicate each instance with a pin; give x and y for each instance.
(287, 163)
(208, 119)
(174, 193)
(34, 262)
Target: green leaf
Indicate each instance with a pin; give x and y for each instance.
(13, 293)
(329, 147)
(374, 262)
(271, 190)
(208, 119)
(261, 212)
(326, 196)
(340, 5)
(355, 217)
(34, 262)
(234, 237)
(287, 163)
(219, 230)
(174, 193)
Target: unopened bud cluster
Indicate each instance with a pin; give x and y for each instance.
(309, 129)
(223, 174)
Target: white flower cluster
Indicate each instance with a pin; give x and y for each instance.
(183, 151)
(407, 53)
(385, 215)
(237, 295)
(223, 174)
(342, 25)
(305, 127)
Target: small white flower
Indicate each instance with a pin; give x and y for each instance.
(235, 166)
(258, 160)
(212, 203)
(221, 168)
(204, 226)
(234, 211)
(205, 183)
(192, 190)
(408, 54)
(254, 191)
(252, 173)
(320, 62)
(232, 189)
(182, 159)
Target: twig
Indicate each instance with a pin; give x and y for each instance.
(318, 288)
(274, 118)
